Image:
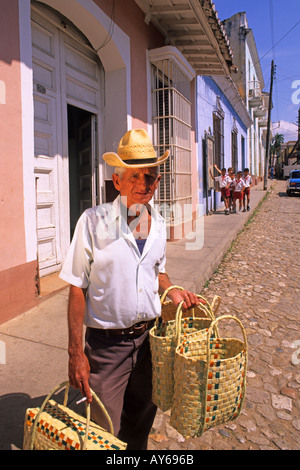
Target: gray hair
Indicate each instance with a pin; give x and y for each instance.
(120, 171)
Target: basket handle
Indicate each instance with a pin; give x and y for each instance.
(214, 324)
(88, 413)
(178, 318)
(164, 295)
(215, 304)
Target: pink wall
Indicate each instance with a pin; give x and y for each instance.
(130, 18)
(12, 235)
(17, 278)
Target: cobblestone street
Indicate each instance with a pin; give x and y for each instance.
(259, 282)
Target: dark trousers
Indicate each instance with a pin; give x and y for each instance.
(121, 376)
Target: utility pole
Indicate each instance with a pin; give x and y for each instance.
(298, 143)
(268, 129)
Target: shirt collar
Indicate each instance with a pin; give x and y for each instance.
(117, 210)
(117, 216)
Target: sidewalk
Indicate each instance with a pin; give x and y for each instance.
(35, 343)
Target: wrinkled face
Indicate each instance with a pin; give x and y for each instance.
(137, 185)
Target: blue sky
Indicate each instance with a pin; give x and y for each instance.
(270, 20)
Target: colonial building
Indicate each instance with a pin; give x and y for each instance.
(250, 83)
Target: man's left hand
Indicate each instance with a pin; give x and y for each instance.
(189, 299)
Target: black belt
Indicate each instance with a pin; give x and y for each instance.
(134, 330)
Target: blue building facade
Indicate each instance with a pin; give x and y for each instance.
(222, 122)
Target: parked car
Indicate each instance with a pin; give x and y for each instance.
(293, 183)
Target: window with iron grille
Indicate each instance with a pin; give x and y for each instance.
(234, 147)
(218, 130)
(172, 130)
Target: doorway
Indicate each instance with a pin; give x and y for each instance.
(82, 154)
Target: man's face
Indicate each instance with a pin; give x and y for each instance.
(137, 185)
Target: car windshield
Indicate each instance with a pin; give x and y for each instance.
(295, 174)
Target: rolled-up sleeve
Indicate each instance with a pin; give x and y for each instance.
(77, 265)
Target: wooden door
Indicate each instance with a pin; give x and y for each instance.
(47, 141)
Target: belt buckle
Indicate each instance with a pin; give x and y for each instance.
(138, 329)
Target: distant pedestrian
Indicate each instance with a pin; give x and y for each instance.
(230, 171)
(224, 182)
(231, 189)
(238, 191)
(248, 183)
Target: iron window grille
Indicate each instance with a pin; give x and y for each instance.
(172, 130)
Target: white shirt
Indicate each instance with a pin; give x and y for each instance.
(122, 284)
(247, 180)
(232, 184)
(223, 180)
(239, 185)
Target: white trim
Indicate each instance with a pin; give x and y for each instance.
(2, 92)
(149, 96)
(95, 25)
(172, 53)
(27, 131)
(115, 58)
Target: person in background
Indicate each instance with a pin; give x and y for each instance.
(231, 189)
(224, 182)
(238, 192)
(248, 183)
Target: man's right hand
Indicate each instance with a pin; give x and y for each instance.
(79, 369)
(79, 372)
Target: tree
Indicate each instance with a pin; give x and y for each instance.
(275, 147)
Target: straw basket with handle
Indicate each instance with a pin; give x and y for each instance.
(164, 338)
(210, 381)
(56, 427)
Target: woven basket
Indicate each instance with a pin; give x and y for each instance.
(56, 427)
(210, 382)
(164, 338)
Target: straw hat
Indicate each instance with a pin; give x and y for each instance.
(135, 151)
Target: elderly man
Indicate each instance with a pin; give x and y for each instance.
(116, 268)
